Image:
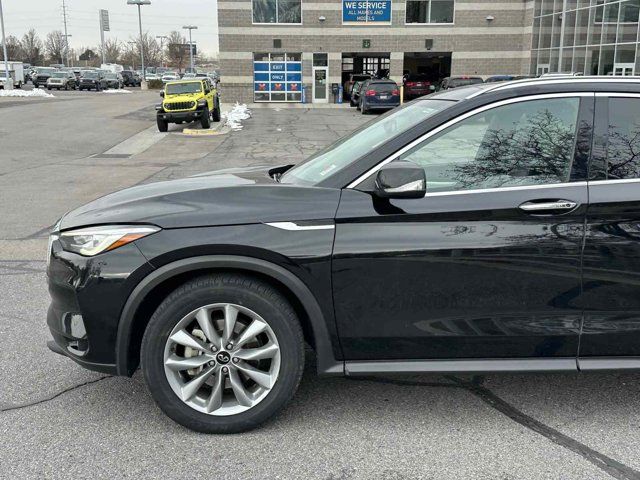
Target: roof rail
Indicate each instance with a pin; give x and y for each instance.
(554, 80)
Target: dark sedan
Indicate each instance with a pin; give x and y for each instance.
(378, 95)
(490, 228)
(417, 85)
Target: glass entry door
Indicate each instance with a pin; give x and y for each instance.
(320, 85)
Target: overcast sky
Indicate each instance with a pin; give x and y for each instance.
(159, 18)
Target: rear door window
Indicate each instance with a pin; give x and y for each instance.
(623, 143)
(383, 87)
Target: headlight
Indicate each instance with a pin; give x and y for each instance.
(91, 241)
(202, 103)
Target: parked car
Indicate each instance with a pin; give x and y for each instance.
(61, 80)
(130, 78)
(353, 78)
(355, 93)
(93, 80)
(188, 101)
(42, 74)
(378, 95)
(461, 81)
(417, 85)
(170, 77)
(114, 80)
(480, 229)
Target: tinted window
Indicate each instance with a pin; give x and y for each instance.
(383, 87)
(623, 147)
(277, 11)
(526, 143)
(461, 82)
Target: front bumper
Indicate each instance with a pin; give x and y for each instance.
(87, 297)
(183, 116)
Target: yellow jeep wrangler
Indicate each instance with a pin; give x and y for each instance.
(188, 101)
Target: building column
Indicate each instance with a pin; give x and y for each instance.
(397, 66)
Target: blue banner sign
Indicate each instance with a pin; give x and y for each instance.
(277, 81)
(366, 11)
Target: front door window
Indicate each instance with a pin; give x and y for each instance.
(525, 143)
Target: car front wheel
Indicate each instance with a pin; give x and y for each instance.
(163, 125)
(223, 353)
(205, 120)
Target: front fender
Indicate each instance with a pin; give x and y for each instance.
(327, 363)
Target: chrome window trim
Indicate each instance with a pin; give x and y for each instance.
(612, 181)
(460, 118)
(552, 81)
(617, 94)
(508, 189)
(294, 227)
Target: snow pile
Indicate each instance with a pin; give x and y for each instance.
(116, 91)
(233, 118)
(36, 92)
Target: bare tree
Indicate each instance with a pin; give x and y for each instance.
(177, 53)
(112, 50)
(55, 46)
(131, 55)
(32, 48)
(14, 49)
(151, 49)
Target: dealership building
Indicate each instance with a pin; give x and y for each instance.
(270, 50)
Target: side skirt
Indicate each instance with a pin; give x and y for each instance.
(608, 363)
(485, 365)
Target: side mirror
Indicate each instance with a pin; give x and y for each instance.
(401, 180)
(162, 93)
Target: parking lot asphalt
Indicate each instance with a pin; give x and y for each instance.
(60, 421)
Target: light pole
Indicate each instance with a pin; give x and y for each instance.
(8, 84)
(139, 3)
(190, 27)
(162, 39)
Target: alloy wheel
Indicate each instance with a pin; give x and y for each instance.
(222, 359)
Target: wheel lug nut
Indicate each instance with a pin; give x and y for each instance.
(211, 364)
(235, 360)
(225, 369)
(229, 346)
(213, 348)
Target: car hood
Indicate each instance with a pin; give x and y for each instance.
(224, 197)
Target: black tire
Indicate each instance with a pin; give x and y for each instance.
(163, 125)
(215, 115)
(205, 120)
(239, 289)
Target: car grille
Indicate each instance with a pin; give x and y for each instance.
(179, 105)
(42, 78)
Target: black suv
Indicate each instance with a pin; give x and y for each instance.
(130, 78)
(93, 80)
(482, 229)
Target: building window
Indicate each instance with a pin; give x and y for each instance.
(277, 77)
(277, 11)
(430, 11)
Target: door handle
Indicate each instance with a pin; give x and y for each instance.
(548, 206)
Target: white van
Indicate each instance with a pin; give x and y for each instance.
(16, 72)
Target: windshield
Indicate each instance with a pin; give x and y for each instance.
(91, 75)
(111, 76)
(181, 88)
(46, 70)
(59, 75)
(367, 138)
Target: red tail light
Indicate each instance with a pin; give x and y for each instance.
(410, 84)
(395, 92)
(370, 93)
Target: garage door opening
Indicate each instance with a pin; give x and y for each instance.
(358, 65)
(422, 69)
